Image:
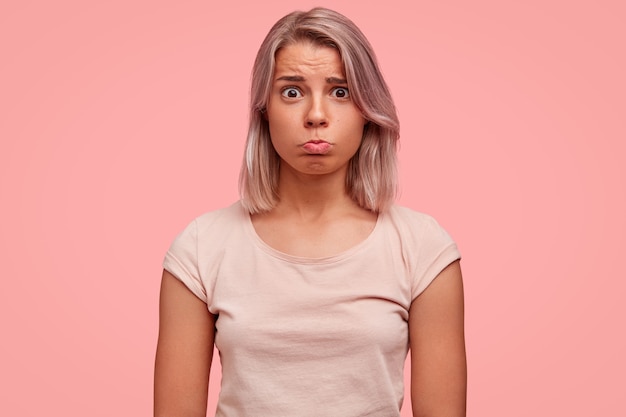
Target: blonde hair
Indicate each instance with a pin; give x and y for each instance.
(371, 180)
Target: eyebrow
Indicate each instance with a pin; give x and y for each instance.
(299, 78)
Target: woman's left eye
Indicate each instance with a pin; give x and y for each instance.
(340, 92)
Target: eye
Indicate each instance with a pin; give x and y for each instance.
(291, 92)
(340, 92)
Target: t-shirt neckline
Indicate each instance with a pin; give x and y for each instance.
(260, 243)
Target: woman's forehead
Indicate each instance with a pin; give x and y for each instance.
(304, 58)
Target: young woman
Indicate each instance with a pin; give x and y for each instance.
(314, 285)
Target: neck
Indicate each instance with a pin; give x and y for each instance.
(313, 194)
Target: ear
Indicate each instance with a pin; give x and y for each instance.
(263, 113)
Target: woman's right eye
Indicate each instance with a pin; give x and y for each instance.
(291, 92)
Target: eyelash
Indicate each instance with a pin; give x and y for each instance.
(344, 89)
(283, 92)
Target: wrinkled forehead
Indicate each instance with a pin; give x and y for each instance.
(310, 40)
(308, 54)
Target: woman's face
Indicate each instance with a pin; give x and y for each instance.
(314, 125)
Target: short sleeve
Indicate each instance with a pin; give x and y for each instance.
(435, 251)
(181, 260)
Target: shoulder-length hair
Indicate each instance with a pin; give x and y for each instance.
(371, 180)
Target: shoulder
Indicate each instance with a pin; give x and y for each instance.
(418, 231)
(426, 246)
(413, 222)
(213, 224)
(194, 254)
(408, 214)
(223, 218)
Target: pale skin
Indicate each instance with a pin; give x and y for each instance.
(314, 218)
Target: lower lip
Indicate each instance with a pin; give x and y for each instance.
(316, 148)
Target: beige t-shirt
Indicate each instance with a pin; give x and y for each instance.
(310, 337)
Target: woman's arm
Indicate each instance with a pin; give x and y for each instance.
(184, 352)
(438, 365)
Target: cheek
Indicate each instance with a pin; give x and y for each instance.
(355, 118)
(356, 124)
(282, 131)
(280, 119)
(274, 123)
(278, 126)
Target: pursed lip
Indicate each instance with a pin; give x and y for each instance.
(316, 147)
(316, 141)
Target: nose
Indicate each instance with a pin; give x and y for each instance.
(316, 115)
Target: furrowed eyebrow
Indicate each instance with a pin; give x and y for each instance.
(335, 80)
(299, 78)
(293, 78)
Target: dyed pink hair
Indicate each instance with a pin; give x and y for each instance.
(372, 174)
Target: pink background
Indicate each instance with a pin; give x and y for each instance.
(120, 121)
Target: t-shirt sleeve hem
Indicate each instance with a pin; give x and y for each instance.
(448, 255)
(176, 268)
